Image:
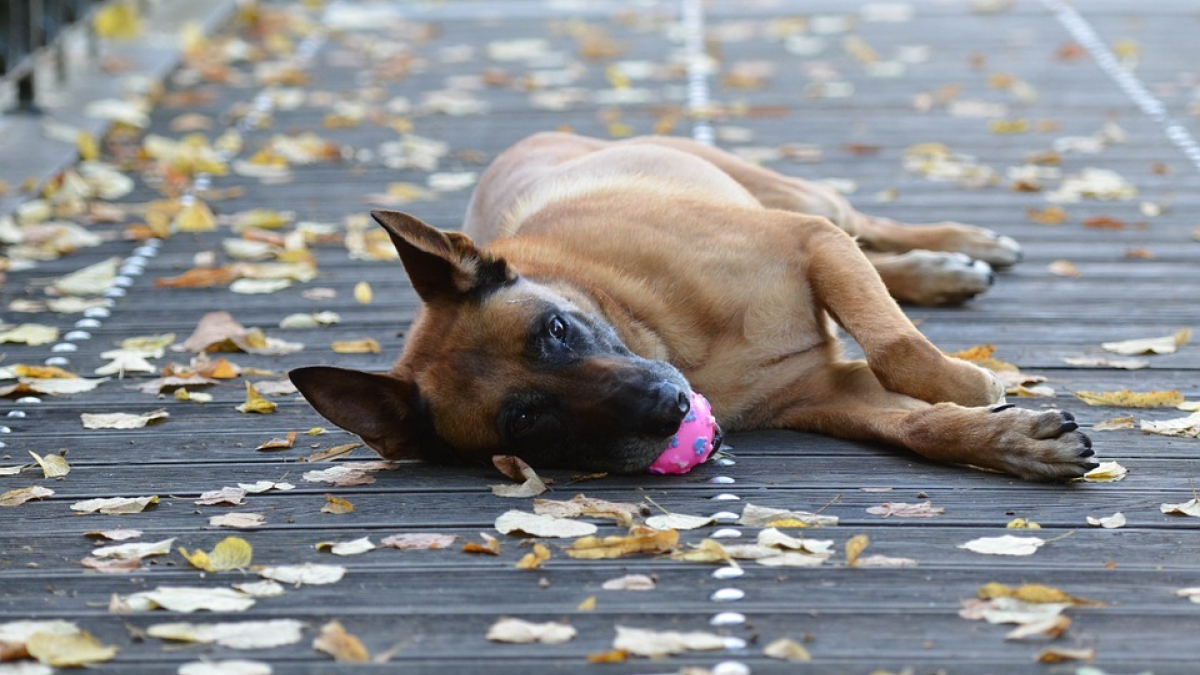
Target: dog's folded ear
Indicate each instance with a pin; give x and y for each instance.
(382, 409)
(441, 265)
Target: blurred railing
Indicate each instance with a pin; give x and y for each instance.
(30, 30)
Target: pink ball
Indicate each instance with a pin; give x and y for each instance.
(692, 444)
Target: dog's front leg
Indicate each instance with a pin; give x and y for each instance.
(1028, 444)
(846, 286)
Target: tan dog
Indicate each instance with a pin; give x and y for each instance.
(597, 282)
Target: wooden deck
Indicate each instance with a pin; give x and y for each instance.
(433, 608)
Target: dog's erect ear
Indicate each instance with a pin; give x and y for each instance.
(382, 409)
(441, 265)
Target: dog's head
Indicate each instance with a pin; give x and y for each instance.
(500, 364)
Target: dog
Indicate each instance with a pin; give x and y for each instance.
(596, 283)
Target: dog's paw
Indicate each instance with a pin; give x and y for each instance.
(1041, 446)
(940, 278)
(982, 244)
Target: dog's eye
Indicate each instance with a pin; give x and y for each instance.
(557, 328)
(523, 422)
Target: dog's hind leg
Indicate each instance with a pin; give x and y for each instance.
(845, 285)
(855, 405)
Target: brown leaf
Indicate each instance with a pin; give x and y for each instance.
(534, 559)
(419, 542)
(336, 505)
(1124, 398)
(490, 545)
(342, 646)
(515, 468)
(22, 495)
(1062, 655)
(643, 540)
(280, 443)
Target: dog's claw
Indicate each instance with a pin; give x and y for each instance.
(1087, 453)
(1091, 465)
(1002, 408)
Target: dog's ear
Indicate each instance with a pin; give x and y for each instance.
(382, 409)
(441, 265)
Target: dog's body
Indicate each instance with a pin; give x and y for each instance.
(596, 282)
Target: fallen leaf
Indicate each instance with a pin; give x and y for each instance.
(901, 510)
(279, 443)
(122, 420)
(336, 451)
(854, 548)
(340, 476)
(1063, 268)
(337, 505)
(1022, 524)
(1005, 545)
(885, 561)
(114, 535)
(72, 650)
(418, 542)
(760, 516)
(1051, 215)
(239, 521)
(1107, 472)
(786, 649)
(531, 485)
(21, 495)
(1108, 522)
(1124, 398)
(580, 505)
(261, 589)
(231, 496)
(519, 631)
(307, 574)
(1168, 344)
(1049, 629)
(541, 526)
(53, 466)
(707, 551)
(1183, 427)
(678, 521)
(134, 550)
(255, 403)
(657, 644)
(534, 559)
(630, 582)
(362, 293)
(188, 599)
(363, 346)
(112, 565)
(262, 486)
(353, 547)
(1188, 508)
(342, 646)
(91, 280)
(1113, 424)
(1192, 594)
(1063, 655)
(115, 506)
(490, 545)
(226, 667)
(32, 334)
(640, 540)
(234, 635)
(231, 553)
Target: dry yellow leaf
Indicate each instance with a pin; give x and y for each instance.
(588, 604)
(195, 217)
(490, 545)
(1107, 472)
(640, 540)
(53, 466)
(854, 548)
(1167, 344)
(534, 559)
(232, 553)
(707, 551)
(786, 649)
(42, 372)
(1022, 524)
(1124, 398)
(74, 649)
(118, 20)
(1035, 593)
(1113, 424)
(363, 346)
(19, 496)
(255, 403)
(337, 505)
(363, 293)
(1051, 215)
(342, 646)
(85, 143)
(1064, 268)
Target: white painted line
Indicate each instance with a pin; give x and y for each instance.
(698, 101)
(1148, 103)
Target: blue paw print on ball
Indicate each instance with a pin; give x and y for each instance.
(674, 442)
(699, 445)
(690, 417)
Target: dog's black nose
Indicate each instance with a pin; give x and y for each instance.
(665, 410)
